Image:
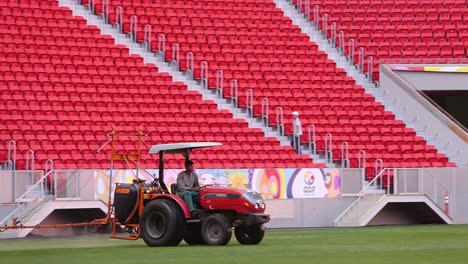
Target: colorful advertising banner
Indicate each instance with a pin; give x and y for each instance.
(271, 183)
(431, 68)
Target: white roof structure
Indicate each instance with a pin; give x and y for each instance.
(181, 147)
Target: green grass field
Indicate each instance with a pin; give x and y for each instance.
(413, 244)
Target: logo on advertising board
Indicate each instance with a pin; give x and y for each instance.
(309, 178)
(306, 183)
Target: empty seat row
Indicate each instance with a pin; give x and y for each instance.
(412, 27)
(43, 106)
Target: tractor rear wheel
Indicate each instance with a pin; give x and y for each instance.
(162, 223)
(249, 235)
(192, 234)
(216, 230)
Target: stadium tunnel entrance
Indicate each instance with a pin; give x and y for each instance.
(67, 216)
(413, 213)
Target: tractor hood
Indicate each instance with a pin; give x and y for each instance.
(240, 200)
(223, 190)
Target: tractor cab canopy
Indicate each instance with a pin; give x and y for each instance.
(183, 148)
(174, 148)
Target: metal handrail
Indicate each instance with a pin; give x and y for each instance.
(341, 42)
(312, 139)
(265, 109)
(162, 46)
(249, 100)
(40, 181)
(204, 74)
(333, 35)
(49, 165)
(360, 195)
(299, 6)
(370, 65)
(119, 18)
(175, 56)
(55, 186)
(445, 189)
(325, 25)
(373, 181)
(329, 147)
(8, 165)
(92, 6)
(30, 160)
(351, 51)
(220, 83)
(12, 148)
(234, 92)
(344, 151)
(280, 121)
(361, 60)
(134, 27)
(147, 37)
(190, 64)
(307, 8)
(105, 10)
(378, 165)
(316, 16)
(362, 156)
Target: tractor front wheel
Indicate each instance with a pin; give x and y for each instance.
(162, 223)
(216, 230)
(249, 235)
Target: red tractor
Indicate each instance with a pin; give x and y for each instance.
(162, 218)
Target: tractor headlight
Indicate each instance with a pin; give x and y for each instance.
(255, 199)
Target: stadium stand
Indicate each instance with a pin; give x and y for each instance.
(253, 42)
(64, 85)
(397, 29)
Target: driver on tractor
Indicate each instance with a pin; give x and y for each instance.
(187, 186)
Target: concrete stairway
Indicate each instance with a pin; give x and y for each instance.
(27, 214)
(353, 216)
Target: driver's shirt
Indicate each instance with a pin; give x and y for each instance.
(186, 181)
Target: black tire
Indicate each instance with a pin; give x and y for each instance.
(216, 230)
(162, 223)
(192, 235)
(249, 235)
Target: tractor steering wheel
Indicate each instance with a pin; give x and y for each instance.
(204, 186)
